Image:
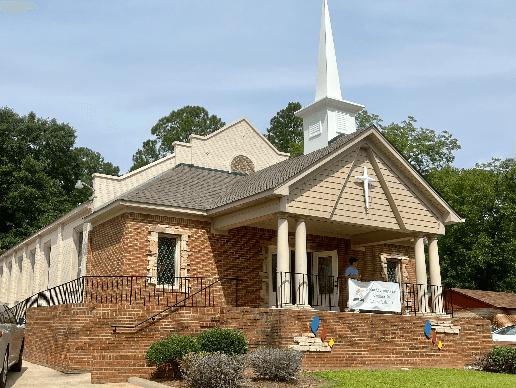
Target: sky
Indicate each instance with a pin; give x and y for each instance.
(111, 69)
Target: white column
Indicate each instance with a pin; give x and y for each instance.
(421, 277)
(435, 276)
(301, 259)
(283, 261)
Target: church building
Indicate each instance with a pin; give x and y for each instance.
(278, 230)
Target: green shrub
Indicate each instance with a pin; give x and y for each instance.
(225, 341)
(213, 370)
(501, 359)
(275, 364)
(172, 348)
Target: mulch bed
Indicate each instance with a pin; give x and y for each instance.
(250, 381)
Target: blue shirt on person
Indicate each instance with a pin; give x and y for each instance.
(350, 271)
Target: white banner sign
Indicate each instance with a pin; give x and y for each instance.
(382, 296)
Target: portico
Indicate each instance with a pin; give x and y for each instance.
(324, 196)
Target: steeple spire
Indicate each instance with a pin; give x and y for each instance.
(328, 82)
(329, 116)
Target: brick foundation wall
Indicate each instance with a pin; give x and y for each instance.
(80, 337)
(121, 246)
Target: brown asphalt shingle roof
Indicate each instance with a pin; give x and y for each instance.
(185, 187)
(203, 189)
(496, 299)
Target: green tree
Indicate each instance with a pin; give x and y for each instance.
(177, 126)
(38, 170)
(286, 130)
(425, 149)
(481, 252)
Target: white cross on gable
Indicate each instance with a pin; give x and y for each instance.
(366, 179)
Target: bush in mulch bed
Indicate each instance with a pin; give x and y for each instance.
(167, 353)
(275, 364)
(212, 370)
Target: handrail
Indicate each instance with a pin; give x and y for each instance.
(295, 287)
(182, 302)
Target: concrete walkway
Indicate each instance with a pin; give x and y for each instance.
(35, 376)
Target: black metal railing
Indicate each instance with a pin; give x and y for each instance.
(331, 293)
(134, 290)
(307, 289)
(67, 293)
(201, 297)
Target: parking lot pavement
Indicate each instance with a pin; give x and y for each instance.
(36, 376)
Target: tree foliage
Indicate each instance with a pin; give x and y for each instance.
(38, 170)
(286, 130)
(177, 126)
(481, 252)
(425, 149)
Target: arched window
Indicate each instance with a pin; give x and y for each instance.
(242, 164)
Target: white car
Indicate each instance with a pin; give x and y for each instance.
(507, 333)
(12, 339)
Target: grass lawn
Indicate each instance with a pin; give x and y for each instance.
(415, 378)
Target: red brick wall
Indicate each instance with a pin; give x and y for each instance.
(121, 245)
(106, 247)
(79, 337)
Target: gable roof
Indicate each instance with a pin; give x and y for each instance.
(281, 173)
(191, 187)
(184, 186)
(496, 299)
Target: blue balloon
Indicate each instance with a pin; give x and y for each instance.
(315, 325)
(428, 329)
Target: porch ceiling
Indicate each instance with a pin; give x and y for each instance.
(359, 235)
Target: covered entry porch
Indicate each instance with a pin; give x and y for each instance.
(303, 270)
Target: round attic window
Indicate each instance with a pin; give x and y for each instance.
(242, 164)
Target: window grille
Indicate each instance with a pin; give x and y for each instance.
(392, 271)
(166, 260)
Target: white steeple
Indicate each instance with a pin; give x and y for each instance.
(328, 82)
(330, 115)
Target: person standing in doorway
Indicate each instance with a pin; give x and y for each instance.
(352, 271)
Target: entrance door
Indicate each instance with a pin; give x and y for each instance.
(325, 281)
(273, 277)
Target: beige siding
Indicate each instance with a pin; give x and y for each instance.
(351, 207)
(416, 215)
(317, 194)
(220, 148)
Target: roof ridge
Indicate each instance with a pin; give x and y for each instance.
(208, 169)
